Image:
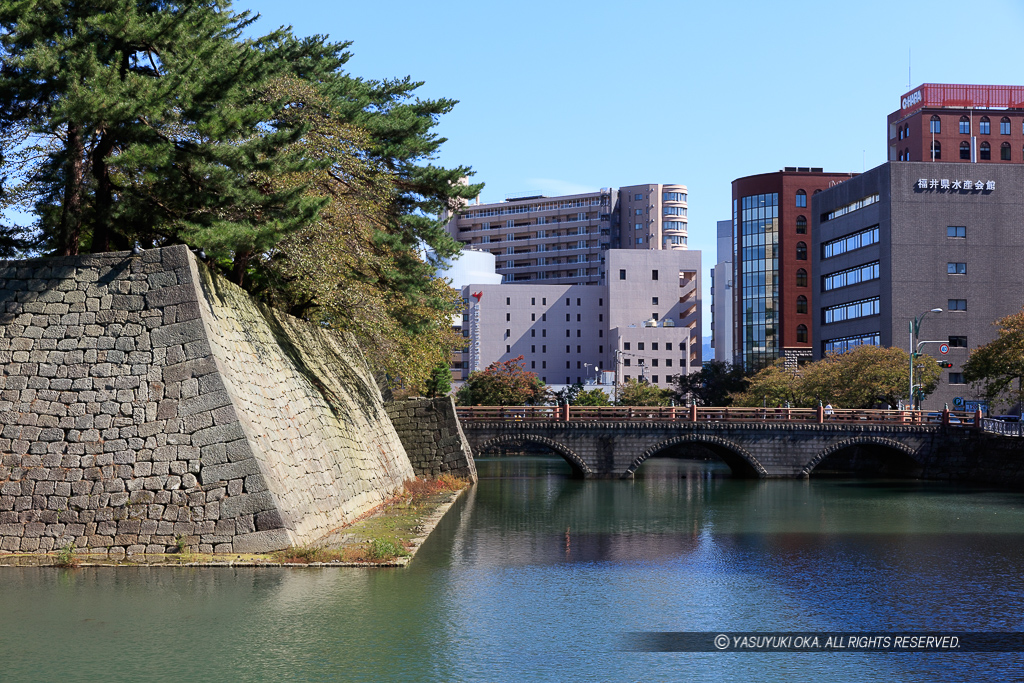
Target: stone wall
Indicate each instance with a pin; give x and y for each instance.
(145, 403)
(433, 437)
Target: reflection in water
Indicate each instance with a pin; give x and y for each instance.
(534, 575)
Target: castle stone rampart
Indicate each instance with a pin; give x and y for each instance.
(146, 404)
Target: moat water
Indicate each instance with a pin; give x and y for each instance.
(536, 576)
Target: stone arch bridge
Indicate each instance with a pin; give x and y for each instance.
(779, 449)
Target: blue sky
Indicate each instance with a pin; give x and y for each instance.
(563, 96)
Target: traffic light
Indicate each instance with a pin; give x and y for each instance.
(945, 364)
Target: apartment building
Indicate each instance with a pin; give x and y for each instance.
(560, 240)
(643, 320)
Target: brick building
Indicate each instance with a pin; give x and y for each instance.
(771, 259)
(959, 124)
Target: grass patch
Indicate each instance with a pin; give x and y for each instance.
(66, 557)
(307, 554)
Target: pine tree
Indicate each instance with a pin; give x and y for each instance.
(144, 123)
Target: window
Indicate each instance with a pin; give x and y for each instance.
(957, 342)
(844, 344)
(956, 231)
(654, 301)
(544, 332)
(625, 346)
(638, 198)
(801, 251)
(578, 333)
(850, 276)
(956, 268)
(543, 317)
(638, 226)
(577, 302)
(579, 317)
(985, 153)
(639, 240)
(568, 302)
(600, 302)
(654, 316)
(508, 348)
(533, 317)
(850, 311)
(654, 364)
(508, 301)
(544, 301)
(965, 151)
(654, 275)
(654, 346)
(801, 304)
(638, 212)
(901, 137)
(508, 333)
(1004, 126)
(801, 198)
(957, 305)
(533, 365)
(533, 333)
(956, 378)
(567, 316)
(567, 333)
(965, 125)
(544, 349)
(668, 362)
(801, 278)
(1004, 151)
(857, 240)
(626, 362)
(639, 346)
(852, 206)
(622, 274)
(600, 317)
(801, 225)
(936, 151)
(801, 334)
(935, 125)
(985, 127)
(508, 317)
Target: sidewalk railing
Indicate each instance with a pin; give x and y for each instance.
(1001, 427)
(818, 415)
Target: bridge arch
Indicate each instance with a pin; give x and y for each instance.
(575, 461)
(892, 444)
(739, 459)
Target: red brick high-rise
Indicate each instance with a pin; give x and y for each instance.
(959, 123)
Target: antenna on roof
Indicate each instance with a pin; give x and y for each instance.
(910, 81)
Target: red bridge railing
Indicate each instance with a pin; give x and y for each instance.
(710, 414)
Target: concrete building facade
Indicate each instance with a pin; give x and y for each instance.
(560, 240)
(643, 320)
(905, 238)
(721, 295)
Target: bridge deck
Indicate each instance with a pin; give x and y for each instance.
(469, 414)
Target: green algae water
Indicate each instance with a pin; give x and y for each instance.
(537, 576)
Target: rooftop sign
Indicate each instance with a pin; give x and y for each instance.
(956, 96)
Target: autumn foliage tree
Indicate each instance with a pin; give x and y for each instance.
(999, 365)
(863, 377)
(636, 393)
(505, 383)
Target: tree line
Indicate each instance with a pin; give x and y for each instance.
(146, 123)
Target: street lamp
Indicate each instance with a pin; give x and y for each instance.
(915, 329)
